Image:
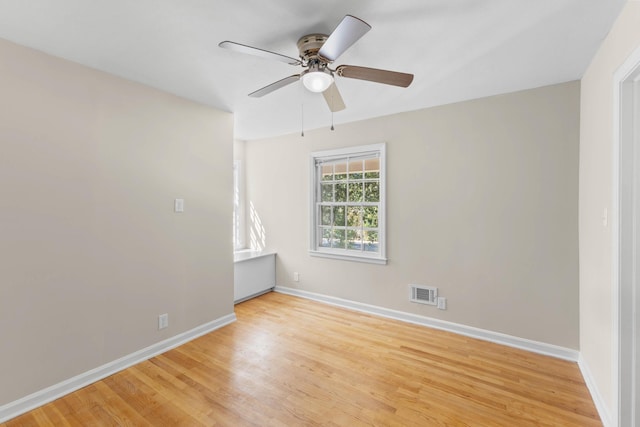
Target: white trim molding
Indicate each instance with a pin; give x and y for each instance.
(625, 207)
(346, 257)
(49, 394)
(470, 331)
(598, 401)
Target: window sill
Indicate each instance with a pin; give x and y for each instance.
(346, 257)
(247, 254)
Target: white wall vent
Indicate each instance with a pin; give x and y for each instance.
(424, 294)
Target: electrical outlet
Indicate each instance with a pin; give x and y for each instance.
(296, 277)
(163, 321)
(442, 303)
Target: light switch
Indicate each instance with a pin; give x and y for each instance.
(605, 217)
(179, 205)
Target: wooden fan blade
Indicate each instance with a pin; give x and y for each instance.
(348, 31)
(265, 54)
(333, 98)
(374, 75)
(275, 86)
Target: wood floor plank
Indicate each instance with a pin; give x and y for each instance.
(287, 361)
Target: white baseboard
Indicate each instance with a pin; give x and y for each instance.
(470, 331)
(49, 394)
(598, 401)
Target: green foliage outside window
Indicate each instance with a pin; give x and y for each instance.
(348, 220)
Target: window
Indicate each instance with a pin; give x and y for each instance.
(347, 203)
(238, 223)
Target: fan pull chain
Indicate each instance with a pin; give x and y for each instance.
(332, 92)
(302, 110)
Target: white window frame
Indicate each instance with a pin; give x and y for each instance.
(238, 207)
(345, 254)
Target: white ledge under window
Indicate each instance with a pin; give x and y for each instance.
(348, 257)
(240, 255)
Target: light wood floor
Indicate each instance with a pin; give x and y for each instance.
(293, 362)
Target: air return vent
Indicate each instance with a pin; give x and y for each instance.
(424, 294)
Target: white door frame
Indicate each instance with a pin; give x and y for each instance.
(626, 235)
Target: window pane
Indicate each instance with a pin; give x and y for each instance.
(340, 171)
(354, 216)
(338, 216)
(327, 172)
(325, 215)
(338, 239)
(355, 192)
(371, 241)
(354, 240)
(372, 168)
(341, 192)
(325, 237)
(370, 217)
(355, 169)
(327, 193)
(371, 192)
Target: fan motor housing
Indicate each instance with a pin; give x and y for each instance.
(309, 45)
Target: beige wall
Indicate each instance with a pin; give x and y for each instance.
(91, 251)
(482, 202)
(596, 137)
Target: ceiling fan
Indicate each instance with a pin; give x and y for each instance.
(317, 52)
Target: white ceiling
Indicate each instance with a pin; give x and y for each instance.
(457, 49)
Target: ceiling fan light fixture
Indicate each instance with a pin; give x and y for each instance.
(317, 81)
